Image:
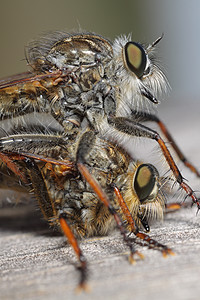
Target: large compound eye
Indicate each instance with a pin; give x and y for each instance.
(135, 58)
(145, 182)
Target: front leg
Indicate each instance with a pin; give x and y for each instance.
(132, 128)
(145, 117)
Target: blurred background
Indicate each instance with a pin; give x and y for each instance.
(23, 20)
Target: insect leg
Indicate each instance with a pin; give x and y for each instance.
(40, 190)
(174, 206)
(72, 240)
(153, 118)
(103, 197)
(151, 243)
(11, 181)
(83, 149)
(132, 128)
(48, 209)
(10, 162)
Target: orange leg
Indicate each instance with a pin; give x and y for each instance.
(176, 148)
(177, 174)
(133, 128)
(64, 163)
(151, 243)
(103, 197)
(144, 116)
(44, 201)
(174, 206)
(72, 240)
(8, 160)
(142, 236)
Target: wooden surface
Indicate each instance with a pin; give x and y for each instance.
(35, 263)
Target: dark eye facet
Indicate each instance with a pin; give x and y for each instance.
(145, 184)
(135, 58)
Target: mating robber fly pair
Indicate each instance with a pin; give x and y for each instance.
(64, 129)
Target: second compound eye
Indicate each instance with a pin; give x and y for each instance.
(145, 182)
(135, 58)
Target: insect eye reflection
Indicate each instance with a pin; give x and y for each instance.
(135, 58)
(145, 182)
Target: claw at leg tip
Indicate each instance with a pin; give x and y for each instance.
(171, 252)
(141, 256)
(132, 259)
(167, 252)
(83, 287)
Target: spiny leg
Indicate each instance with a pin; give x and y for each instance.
(151, 243)
(132, 128)
(48, 209)
(10, 160)
(33, 176)
(46, 201)
(46, 204)
(16, 148)
(177, 149)
(153, 118)
(73, 241)
(103, 197)
(40, 190)
(84, 147)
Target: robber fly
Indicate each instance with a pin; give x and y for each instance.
(134, 193)
(90, 87)
(84, 80)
